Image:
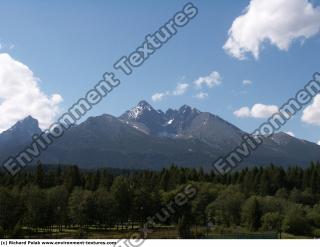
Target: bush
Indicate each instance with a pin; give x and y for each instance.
(184, 228)
(17, 231)
(271, 222)
(316, 233)
(314, 216)
(295, 221)
(81, 234)
(200, 234)
(282, 193)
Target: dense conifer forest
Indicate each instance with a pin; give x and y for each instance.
(64, 199)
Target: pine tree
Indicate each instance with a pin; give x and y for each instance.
(72, 178)
(40, 179)
(264, 186)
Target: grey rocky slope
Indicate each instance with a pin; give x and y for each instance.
(143, 137)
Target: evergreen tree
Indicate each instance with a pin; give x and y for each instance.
(40, 178)
(72, 178)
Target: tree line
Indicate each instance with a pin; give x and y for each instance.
(254, 199)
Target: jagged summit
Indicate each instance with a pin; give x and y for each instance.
(144, 104)
(186, 110)
(28, 119)
(20, 132)
(137, 111)
(150, 138)
(28, 124)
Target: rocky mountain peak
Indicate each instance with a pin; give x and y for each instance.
(139, 110)
(28, 124)
(145, 104)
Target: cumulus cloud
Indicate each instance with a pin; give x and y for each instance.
(263, 111)
(290, 133)
(180, 89)
(201, 95)
(246, 82)
(278, 22)
(214, 79)
(311, 114)
(242, 112)
(257, 111)
(21, 96)
(318, 142)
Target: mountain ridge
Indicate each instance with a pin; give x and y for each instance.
(148, 138)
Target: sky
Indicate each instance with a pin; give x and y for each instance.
(236, 59)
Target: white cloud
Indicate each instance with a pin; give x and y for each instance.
(257, 111)
(6, 46)
(242, 112)
(180, 89)
(159, 96)
(290, 133)
(263, 111)
(311, 114)
(214, 79)
(201, 95)
(279, 22)
(21, 96)
(318, 143)
(246, 82)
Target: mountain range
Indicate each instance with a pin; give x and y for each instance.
(145, 138)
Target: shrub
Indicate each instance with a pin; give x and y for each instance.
(295, 221)
(271, 221)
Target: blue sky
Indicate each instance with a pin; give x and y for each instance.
(68, 45)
